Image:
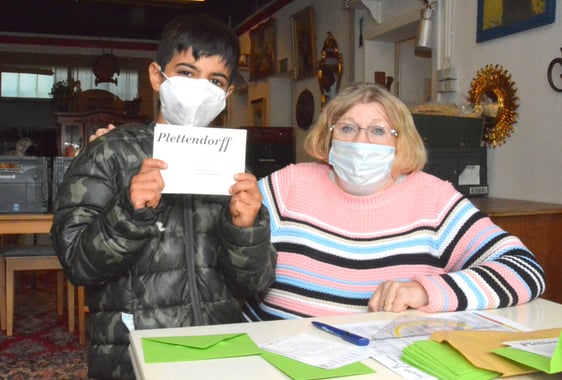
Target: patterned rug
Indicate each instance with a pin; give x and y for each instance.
(41, 346)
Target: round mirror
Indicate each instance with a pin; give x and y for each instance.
(493, 95)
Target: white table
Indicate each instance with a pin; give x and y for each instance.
(539, 314)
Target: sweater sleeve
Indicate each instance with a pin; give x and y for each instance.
(96, 233)
(248, 257)
(486, 266)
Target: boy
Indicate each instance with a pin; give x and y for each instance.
(151, 260)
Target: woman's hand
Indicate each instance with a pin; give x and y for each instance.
(398, 296)
(246, 200)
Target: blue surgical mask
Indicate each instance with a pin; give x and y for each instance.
(362, 169)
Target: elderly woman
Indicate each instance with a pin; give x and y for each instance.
(364, 229)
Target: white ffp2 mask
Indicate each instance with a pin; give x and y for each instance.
(190, 101)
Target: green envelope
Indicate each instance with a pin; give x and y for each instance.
(443, 361)
(542, 363)
(191, 348)
(297, 370)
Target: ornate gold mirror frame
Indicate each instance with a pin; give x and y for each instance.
(330, 68)
(493, 95)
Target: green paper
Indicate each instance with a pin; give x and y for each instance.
(301, 371)
(204, 347)
(443, 361)
(542, 363)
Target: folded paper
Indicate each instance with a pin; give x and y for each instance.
(477, 347)
(297, 370)
(443, 361)
(190, 348)
(542, 363)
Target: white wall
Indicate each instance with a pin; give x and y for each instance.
(280, 90)
(414, 82)
(379, 56)
(529, 165)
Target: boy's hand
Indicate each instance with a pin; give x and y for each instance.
(246, 200)
(146, 187)
(101, 132)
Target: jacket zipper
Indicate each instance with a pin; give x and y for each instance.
(190, 252)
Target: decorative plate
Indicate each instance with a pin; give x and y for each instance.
(305, 109)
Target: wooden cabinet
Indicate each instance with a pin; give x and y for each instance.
(539, 226)
(89, 110)
(74, 128)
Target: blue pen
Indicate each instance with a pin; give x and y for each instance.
(345, 335)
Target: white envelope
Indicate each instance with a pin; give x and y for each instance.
(200, 160)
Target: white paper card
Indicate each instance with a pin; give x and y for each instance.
(470, 175)
(543, 347)
(200, 160)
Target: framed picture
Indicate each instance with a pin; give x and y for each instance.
(259, 115)
(263, 60)
(303, 41)
(498, 18)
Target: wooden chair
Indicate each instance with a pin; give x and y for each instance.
(81, 308)
(20, 258)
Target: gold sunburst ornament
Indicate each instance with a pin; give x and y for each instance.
(493, 94)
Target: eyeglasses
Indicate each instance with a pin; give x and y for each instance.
(375, 133)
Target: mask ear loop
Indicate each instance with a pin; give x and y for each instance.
(166, 78)
(330, 140)
(162, 72)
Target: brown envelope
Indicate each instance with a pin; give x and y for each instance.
(475, 346)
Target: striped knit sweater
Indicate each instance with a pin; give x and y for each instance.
(334, 248)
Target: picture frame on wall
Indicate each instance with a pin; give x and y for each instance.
(262, 39)
(498, 18)
(303, 43)
(258, 113)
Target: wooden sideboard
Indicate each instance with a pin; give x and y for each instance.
(539, 226)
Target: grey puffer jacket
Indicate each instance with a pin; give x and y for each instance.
(181, 264)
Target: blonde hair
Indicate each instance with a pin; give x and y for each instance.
(410, 150)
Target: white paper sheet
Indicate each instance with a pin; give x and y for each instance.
(318, 352)
(470, 175)
(200, 160)
(544, 347)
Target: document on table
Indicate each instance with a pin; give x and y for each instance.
(539, 349)
(388, 339)
(543, 347)
(403, 327)
(485, 349)
(200, 160)
(318, 352)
